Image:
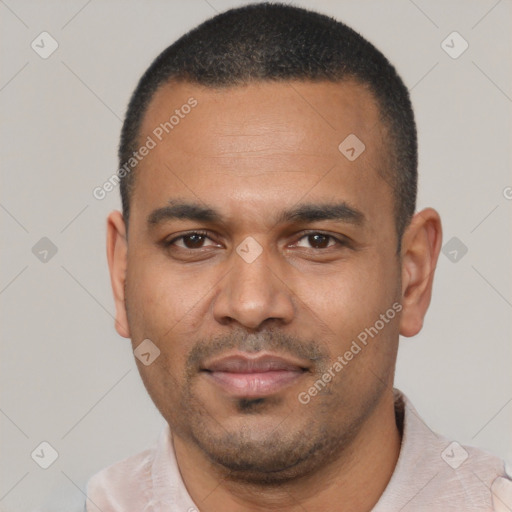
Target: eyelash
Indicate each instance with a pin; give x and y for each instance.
(339, 242)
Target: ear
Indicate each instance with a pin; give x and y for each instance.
(117, 255)
(421, 244)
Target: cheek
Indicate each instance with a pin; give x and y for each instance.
(353, 299)
(161, 299)
(159, 305)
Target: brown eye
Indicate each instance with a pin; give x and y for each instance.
(318, 241)
(194, 241)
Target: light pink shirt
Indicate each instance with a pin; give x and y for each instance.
(432, 474)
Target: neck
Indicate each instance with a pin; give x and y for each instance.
(356, 479)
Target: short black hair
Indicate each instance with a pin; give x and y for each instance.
(279, 42)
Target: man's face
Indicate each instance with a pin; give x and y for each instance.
(256, 303)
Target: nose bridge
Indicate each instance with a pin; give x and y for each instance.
(253, 290)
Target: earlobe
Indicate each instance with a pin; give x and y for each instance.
(117, 255)
(421, 245)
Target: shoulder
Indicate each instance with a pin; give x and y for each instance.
(437, 473)
(122, 485)
(147, 481)
(482, 478)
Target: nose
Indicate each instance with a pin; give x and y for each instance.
(253, 293)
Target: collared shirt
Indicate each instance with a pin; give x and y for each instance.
(432, 474)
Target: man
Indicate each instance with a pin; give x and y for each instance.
(267, 259)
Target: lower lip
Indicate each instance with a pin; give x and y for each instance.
(254, 385)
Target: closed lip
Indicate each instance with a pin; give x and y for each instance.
(254, 363)
(245, 375)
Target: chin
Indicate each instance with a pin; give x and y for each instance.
(260, 452)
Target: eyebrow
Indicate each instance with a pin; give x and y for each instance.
(305, 213)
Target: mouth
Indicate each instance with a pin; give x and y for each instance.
(245, 375)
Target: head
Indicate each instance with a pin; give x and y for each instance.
(270, 218)
(280, 43)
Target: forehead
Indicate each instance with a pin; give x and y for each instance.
(263, 144)
(322, 111)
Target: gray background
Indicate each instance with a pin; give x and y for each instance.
(66, 376)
